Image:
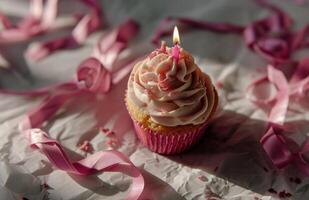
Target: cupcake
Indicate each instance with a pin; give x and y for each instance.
(170, 101)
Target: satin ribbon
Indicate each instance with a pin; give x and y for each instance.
(276, 145)
(95, 77)
(274, 40)
(272, 37)
(87, 24)
(38, 21)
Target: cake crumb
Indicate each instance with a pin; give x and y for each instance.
(86, 147)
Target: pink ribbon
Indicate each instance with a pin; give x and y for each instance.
(278, 147)
(116, 41)
(92, 76)
(274, 39)
(87, 24)
(104, 161)
(38, 21)
(279, 150)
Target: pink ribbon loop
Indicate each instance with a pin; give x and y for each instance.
(115, 42)
(94, 76)
(108, 161)
(34, 24)
(279, 101)
(276, 148)
(41, 50)
(88, 24)
(279, 152)
(271, 37)
(5, 22)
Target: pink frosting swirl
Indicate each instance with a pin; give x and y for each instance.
(171, 93)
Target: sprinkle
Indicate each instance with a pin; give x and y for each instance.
(113, 143)
(219, 84)
(45, 186)
(105, 130)
(86, 147)
(108, 132)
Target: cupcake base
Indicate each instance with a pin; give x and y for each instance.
(171, 143)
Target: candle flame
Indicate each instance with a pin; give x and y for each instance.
(176, 39)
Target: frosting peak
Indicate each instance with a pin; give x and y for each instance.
(171, 93)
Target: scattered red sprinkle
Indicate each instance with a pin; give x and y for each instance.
(219, 84)
(271, 190)
(113, 143)
(45, 186)
(108, 132)
(202, 178)
(105, 130)
(86, 146)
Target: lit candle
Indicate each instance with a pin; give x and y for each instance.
(176, 47)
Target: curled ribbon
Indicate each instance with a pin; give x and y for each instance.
(38, 21)
(87, 24)
(95, 77)
(104, 161)
(273, 39)
(278, 147)
(92, 76)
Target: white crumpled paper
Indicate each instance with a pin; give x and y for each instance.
(227, 164)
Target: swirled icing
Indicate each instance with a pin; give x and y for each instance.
(171, 92)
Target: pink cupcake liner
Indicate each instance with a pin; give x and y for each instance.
(171, 143)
